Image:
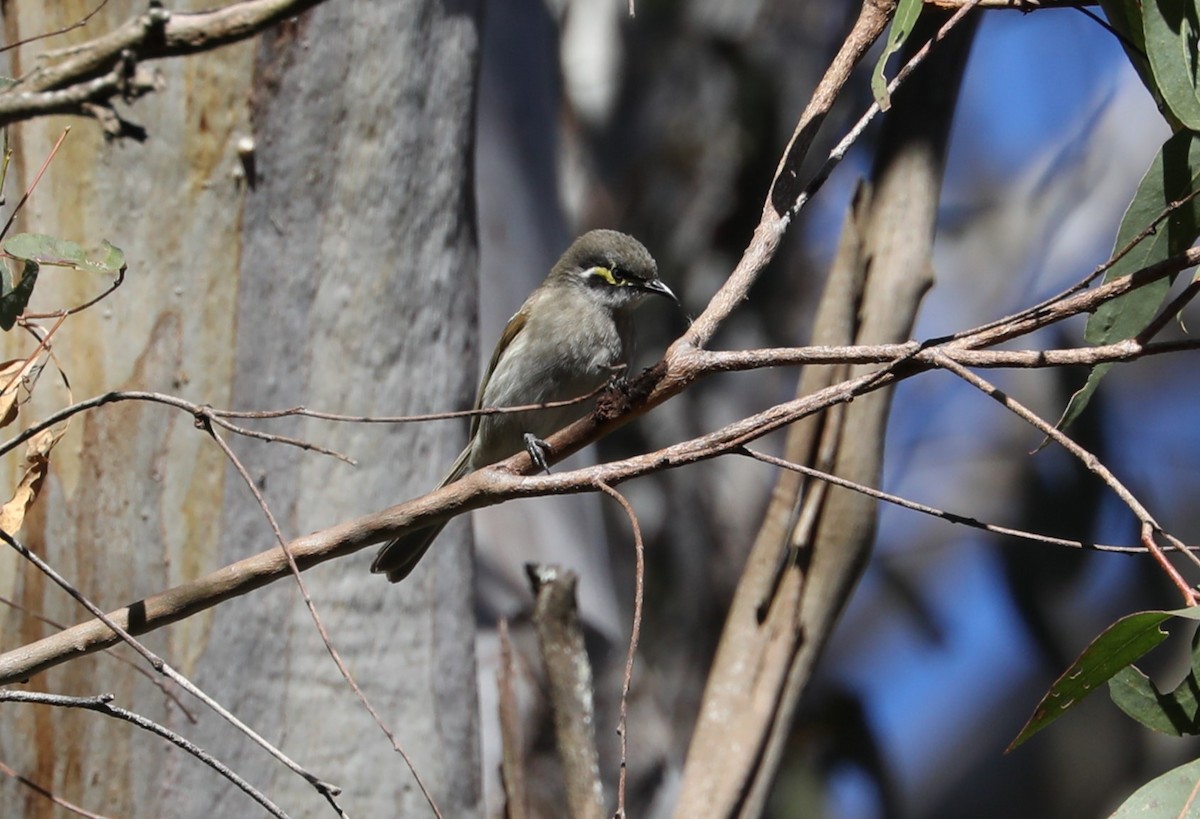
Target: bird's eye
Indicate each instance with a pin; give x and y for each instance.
(610, 276)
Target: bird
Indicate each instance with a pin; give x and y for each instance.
(572, 335)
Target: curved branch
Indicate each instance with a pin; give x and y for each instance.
(96, 71)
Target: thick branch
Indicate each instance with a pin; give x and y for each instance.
(100, 69)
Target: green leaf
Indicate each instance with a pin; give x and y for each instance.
(108, 259)
(50, 250)
(1121, 644)
(15, 292)
(1174, 174)
(903, 21)
(1171, 28)
(1174, 714)
(1172, 794)
(1125, 16)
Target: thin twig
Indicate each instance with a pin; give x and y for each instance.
(79, 308)
(53, 797)
(312, 610)
(220, 416)
(304, 412)
(275, 438)
(158, 664)
(1090, 461)
(1083, 283)
(157, 683)
(843, 147)
(80, 23)
(942, 514)
(193, 409)
(1169, 312)
(102, 704)
(639, 586)
(36, 179)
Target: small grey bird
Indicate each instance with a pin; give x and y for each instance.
(571, 335)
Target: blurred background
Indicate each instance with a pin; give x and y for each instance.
(670, 126)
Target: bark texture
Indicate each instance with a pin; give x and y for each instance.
(340, 275)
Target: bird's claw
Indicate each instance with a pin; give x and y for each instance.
(618, 377)
(538, 450)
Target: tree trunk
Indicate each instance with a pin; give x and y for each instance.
(340, 276)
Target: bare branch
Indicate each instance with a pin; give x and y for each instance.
(635, 631)
(119, 631)
(157, 683)
(872, 20)
(569, 677)
(102, 704)
(97, 71)
(312, 610)
(951, 517)
(1149, 525)
(58, 800)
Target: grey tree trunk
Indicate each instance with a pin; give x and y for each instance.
(341, 277)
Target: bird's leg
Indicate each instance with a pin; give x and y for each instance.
(538, 450)
(617, 378)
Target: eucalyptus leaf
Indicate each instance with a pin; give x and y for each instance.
(903, 21)
(1174, 713)
(1125, 17)
(1173, 175)
(1119, 646)
(1171, 794)
(1171, 28)
(51, 250)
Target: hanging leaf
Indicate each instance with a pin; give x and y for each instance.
(37, 463)
(903, 21)
(1171, 28)
(14, 383)
(1176, 713)
(1125, 16)
(1173, 175)
(1121, 644)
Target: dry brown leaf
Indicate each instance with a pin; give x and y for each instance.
(13, 376)
(37, 463)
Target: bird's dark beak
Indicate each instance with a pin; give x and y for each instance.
(656, 286)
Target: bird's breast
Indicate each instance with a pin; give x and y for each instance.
(554, 358)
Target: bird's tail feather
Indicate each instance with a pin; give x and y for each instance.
(397, 558)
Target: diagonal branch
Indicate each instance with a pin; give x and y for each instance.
(1150, 526)
(120, 631)
(102, 704)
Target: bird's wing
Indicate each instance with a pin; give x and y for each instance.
(515, 325)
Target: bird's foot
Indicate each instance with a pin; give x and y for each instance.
(538, 450)
(618, 377)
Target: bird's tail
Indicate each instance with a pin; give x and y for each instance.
(397, 558)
